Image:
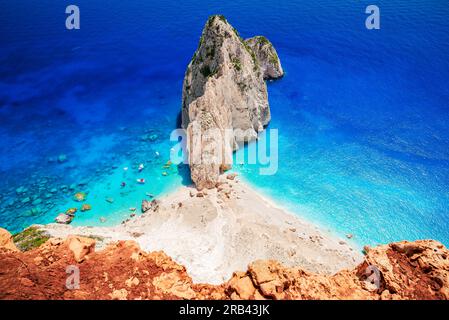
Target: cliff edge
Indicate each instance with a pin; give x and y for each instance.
(403, 270)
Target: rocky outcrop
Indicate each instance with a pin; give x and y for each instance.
(64, 218)
(6, 241)
(224, 100)
(80, 247)
(267, 56)
(404, 270)
(120, 271)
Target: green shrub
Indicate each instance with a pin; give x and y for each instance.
(237, 64)
(30, 238)
(206, 71)
(262, 40)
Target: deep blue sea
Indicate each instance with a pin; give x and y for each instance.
(362, 115)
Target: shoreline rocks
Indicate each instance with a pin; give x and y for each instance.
(64, 218)
(149, 205)
(86, 207)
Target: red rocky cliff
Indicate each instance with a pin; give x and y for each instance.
(404, 270)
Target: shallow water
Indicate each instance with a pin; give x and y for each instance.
(362, 115)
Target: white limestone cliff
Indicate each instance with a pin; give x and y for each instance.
(224, 100)
(267, 56)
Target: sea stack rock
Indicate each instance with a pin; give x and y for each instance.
(224, 100)
(267, 56)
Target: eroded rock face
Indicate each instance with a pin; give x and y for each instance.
(407, 270)
(6, 241)
(120, 271)
(404, 270)
(411, 270)
(224, 100)
(80, 247)
(267, 56)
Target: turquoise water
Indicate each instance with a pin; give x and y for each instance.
(362, 115)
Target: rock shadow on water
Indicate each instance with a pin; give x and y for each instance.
(179, 120)
(184, 172)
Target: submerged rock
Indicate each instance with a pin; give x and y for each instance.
(231, 176)
(86, 207)
(36, 202)
(62, 158)
(21, 190)
(71, 211)
(149, 137)
(167, 165)
(80, 196)
(224, 100)
(35, 211)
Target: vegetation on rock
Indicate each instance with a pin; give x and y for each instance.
(30, 238)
